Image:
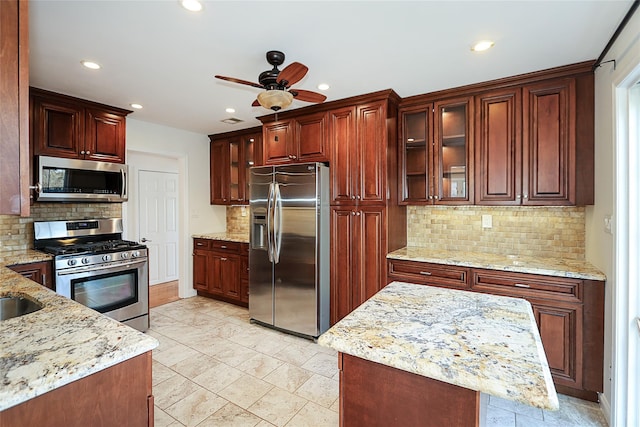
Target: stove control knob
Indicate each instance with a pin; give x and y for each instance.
(106, 257)
(125, 255)
(71, 262)
(85, 260)
(135, 254)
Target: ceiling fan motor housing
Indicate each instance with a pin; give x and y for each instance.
(269, 78)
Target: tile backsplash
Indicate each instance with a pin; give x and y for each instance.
(16, 233)
(550, 232)
(238, 219)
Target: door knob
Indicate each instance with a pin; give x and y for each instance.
(144, 239)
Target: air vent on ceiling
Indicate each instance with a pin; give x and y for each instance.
(231, 121)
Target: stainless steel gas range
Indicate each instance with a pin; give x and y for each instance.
(94, 266)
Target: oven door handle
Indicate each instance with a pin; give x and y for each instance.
(91, 268)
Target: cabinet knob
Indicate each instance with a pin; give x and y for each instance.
(353, 197)
(88, 152)
(82, 152)
(353, 213)
(526, 196)
(435, 197)
(358, 213)
(430, 197)
(358, 197)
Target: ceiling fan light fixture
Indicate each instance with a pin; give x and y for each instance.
(275, 99)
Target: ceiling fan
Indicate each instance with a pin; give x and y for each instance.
(278, 93)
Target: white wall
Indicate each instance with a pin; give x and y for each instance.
(600, 246)
(191, 152)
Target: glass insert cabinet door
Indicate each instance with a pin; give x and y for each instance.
(452, 152)
(417, 141)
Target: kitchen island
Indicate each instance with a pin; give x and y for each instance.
(421, 355)
(66, 364)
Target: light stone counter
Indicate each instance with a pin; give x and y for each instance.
(520, 264)
(229, 237)
(482, 342)
(63, 342)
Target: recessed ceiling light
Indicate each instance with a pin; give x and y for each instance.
(230, 110)
(136, 106)
(323, 86)
(191, 5)
(91, 65)
(482, 46)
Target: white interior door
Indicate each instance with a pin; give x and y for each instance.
(158, 223)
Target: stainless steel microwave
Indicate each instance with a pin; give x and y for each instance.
(71, 180)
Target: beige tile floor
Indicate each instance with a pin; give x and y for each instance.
(214, 368)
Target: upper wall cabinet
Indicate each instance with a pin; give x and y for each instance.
(436, 142)
(62, 126)
(14, 113)
(522, 140)
(534, 144)
(300, 139)
(232, 154)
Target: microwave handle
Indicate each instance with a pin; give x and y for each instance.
(124, 183)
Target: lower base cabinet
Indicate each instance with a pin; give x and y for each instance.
(117, 396)
(39, 272)
(569, 314)
(220, 270)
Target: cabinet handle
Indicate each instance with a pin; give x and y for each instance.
(44, 279)
(223, 246)
(199, 244)
(223, 259)
(425, 273)
(521, 285)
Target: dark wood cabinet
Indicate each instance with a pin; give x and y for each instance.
(39, 272)
(301, 139)
(63, 126)
(437, 152)
(528, 147)
(569, 314)
(358, 270)
(232, 155)
(14, 114)
(217, 270)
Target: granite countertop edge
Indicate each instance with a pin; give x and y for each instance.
(575, 269)
(58, 344)
(223, 235)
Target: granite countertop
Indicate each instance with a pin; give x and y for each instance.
(519, 264)
(63, 342)
(229, 237)
(482, 342)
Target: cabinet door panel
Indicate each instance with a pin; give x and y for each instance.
(498, 148)
(58, 129)
(372, 244)
(230, 276)
(416, 169)
(561, 333)
(311, 138)
(342, 250)
(216, 279)
(278, 141)
(371, 146)
(104, 137)
(549, 143)
(342, 131)
(200, 270)
(219, 167)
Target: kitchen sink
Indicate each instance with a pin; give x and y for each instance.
(15, 306)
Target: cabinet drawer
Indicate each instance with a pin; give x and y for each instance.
(225, 246)
(429, 274)
(201, 244)
(527, 285)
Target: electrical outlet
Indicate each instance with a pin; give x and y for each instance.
(487, 221)
(608, 224)
(243, 211)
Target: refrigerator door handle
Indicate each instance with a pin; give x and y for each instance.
(270, 222)
(277, 224)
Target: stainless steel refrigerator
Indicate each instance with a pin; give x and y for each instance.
(289, 255)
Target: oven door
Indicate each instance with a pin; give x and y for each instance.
(118, 290)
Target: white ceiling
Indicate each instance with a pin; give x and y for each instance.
(159, 55)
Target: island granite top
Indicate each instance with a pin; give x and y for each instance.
(62, 342)
(519, 264)
(482, 342)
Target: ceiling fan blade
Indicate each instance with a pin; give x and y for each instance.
(242, 82)
(293, 73)
(307, 95)
(255, 103)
